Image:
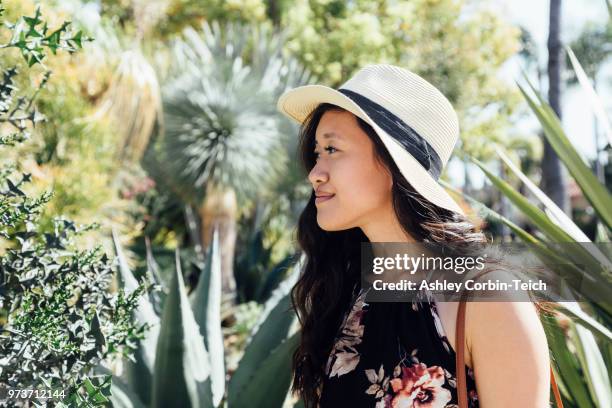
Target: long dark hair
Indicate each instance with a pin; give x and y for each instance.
(327, 283)
(332, 270)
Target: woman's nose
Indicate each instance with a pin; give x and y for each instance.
(317, 175)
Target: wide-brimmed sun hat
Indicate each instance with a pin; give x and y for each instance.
(414, 120)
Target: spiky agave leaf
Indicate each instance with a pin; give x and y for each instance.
(221, 123)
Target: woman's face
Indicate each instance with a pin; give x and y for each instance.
(346, 169)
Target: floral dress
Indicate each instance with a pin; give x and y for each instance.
(392, 355)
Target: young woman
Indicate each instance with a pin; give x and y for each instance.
(373, 150)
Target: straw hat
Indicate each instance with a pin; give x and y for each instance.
(414, 120)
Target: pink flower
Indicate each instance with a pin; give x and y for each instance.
(420, 386)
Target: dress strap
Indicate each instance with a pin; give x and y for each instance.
(460, 360)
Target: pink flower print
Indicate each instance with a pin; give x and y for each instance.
(420, 386)
(344, 357)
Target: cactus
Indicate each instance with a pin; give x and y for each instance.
(187, 367)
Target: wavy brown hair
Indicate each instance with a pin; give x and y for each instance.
(331, 274)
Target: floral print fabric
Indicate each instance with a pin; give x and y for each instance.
(392, 355)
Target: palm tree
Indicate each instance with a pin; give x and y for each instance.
(222, 147)
(554, 179)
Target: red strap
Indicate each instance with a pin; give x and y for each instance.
(460, 363)
(558, 400)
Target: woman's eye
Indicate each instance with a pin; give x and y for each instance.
(329, 149)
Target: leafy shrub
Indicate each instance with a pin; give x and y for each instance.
(58, 319)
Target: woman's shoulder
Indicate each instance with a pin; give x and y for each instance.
(507, 336)
(489, 322)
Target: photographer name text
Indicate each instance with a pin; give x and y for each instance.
(497, 285)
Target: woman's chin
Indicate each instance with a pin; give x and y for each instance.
(327, 224)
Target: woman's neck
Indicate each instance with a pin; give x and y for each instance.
(386, 228)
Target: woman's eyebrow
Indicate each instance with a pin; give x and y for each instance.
(329, 135)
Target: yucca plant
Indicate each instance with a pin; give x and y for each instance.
(181, 360)
(223, 145)
(581, 346)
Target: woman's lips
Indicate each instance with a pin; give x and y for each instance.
(323, 198)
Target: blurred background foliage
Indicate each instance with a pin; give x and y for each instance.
(110, 104)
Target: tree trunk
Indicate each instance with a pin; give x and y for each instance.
(554, 177)
(220, 208)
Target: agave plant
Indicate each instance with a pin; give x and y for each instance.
(181, 360)
(581, 343)
(223, 145)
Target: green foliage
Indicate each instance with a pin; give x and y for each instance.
(31, 36)
(58, 319)
(69, 151)
(245, 317)
(594, 191)
(206, 303)
(190, 334)
(266, 253)
(16, 112)
(256, 380)
(162, 212)
(183, 13)
(581, 346)
(182, 373)
(592, 48)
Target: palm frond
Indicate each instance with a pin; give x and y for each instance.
(133, 100)
(594, 99)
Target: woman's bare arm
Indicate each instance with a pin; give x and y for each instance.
(509, 354)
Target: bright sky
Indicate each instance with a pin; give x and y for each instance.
(576, 113)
